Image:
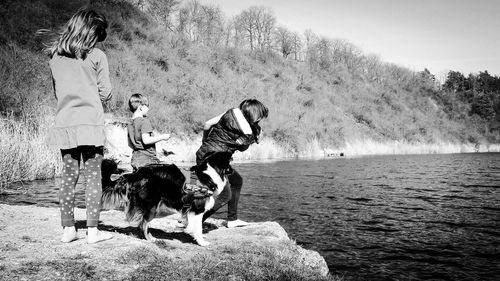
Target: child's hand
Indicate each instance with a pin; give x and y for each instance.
(259, 136)
(165, 136)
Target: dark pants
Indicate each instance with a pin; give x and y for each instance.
(140, 159)
(230, 196)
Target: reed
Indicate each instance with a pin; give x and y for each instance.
(25, 156)
(184, 148)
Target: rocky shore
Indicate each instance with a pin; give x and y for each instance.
(30, 250)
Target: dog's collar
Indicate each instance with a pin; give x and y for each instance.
(199, 191)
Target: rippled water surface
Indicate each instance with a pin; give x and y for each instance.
(406, 217)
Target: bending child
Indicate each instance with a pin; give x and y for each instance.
(236, 129)
(140, 133)
(81, 83)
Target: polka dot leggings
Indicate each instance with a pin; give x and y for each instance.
(92, 159)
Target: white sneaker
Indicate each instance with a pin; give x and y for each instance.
(236, 223)
(94, 235)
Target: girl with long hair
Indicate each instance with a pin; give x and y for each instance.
(81, 84)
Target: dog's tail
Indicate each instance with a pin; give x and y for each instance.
(114, 193)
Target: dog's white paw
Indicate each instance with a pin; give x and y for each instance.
(151, 238)
(202, 242)
(200, 239)
(187, 231)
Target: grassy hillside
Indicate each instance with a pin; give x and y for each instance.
(324, 102)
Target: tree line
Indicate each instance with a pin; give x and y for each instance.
(255, 28)
(481, 91)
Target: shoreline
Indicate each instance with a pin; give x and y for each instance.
(27, 157)
(184, 149)
(32, 249)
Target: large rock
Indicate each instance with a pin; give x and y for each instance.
(29, 235)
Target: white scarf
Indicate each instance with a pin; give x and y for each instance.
(242, 121)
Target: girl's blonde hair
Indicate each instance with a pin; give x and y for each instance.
(79, 35)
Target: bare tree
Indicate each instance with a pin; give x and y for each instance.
(247, 23)
(162, 11)
(346, 53)
(233, 33)
(267, 24)
(283, 39)
(201, 23)
(188, 18)
(311, 40)
(372, 67)
(211, 25)
(325, 58)
(257, 23)
(296, 45)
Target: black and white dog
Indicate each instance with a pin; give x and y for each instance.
(144, 191)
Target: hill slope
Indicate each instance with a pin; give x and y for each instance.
(331, 101)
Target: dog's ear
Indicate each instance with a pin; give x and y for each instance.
(199, 168)
(198, 171)
(110, 166)
(120, 170)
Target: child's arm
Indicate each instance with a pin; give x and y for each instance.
(103, 81)
(149, 139)
(209, 123)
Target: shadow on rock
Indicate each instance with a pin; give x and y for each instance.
(157, 233)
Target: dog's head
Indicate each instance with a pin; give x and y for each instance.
(109, 168)
(213, 172)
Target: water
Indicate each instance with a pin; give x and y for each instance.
(415, 217)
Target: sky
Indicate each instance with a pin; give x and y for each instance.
(440, 35)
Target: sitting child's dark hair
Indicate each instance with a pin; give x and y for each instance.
(136, 100)
(253, 110)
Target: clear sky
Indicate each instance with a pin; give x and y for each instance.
(440, 35)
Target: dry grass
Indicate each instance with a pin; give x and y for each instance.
(251, 262)
(25, 155)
